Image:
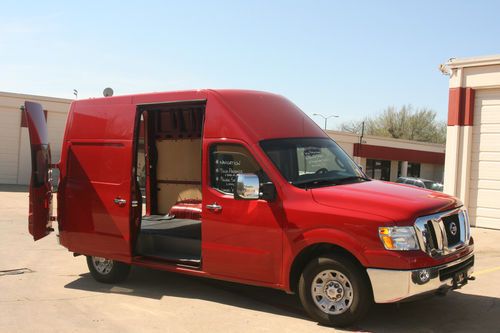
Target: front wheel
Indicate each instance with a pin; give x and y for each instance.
(334, 291)
(107, 270)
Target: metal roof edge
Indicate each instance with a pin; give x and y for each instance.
(36, 97)
(474, 61)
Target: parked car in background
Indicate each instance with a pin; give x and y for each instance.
(419, 182)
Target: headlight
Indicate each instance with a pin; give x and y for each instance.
(398, 238)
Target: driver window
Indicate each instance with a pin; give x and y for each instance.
(229, 160)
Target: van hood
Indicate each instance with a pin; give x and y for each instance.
(396, 202)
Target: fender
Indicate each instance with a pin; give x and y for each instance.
(317, 236)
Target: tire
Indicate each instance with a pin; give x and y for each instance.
(107, 270)
(342, 293)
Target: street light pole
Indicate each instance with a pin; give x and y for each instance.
(326, 117)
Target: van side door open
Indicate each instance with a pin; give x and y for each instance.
(40, 199)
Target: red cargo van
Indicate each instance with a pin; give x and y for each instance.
(241, 186)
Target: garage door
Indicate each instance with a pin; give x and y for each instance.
(484, 200)
(9, 143)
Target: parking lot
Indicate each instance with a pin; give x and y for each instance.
(44, 288)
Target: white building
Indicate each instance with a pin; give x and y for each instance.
(472, 168)
(15, 156)
(387, 158)
(381, 158)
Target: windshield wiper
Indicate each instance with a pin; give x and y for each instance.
(326, 181)
(352, 178)
(314, 182)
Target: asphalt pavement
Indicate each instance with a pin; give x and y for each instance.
(43, 288)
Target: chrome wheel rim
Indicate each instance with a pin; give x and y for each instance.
(102, 265)
(332, 292)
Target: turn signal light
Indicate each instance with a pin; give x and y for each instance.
(384, 235)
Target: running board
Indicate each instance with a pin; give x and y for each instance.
(171, 258)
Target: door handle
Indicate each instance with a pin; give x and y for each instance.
(214, 207)
(120, 202)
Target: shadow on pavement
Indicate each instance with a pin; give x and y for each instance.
(155, 284)
(457, 312)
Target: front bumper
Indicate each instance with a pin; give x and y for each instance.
(394, 285)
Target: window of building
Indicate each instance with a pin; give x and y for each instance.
(413, 170)
(378, 169)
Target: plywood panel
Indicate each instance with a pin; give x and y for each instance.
(179, 160)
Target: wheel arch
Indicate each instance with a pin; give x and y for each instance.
(312, 251)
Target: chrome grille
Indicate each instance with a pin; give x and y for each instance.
(443, 233)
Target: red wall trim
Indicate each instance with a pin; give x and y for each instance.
(398, 154)
(454, 106)
(469, 107)
(461, 107)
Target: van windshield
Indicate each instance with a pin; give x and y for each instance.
(312, 162)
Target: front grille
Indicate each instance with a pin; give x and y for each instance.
(452, 227)
(449, 272)
(443, 233)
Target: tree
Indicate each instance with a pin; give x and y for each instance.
(403, 123)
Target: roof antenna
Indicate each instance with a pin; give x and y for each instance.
(75, 92)
(107, 92)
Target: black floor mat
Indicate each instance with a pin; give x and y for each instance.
(184, 228)
(177, 240)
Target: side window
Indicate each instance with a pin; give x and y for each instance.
(229, 160)
(41, 161)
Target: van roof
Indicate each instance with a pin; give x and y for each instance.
(241, 114)
(168, 96)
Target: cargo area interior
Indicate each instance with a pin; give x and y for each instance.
(169, 147)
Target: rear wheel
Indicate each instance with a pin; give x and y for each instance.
(107, 270)
(334, 291)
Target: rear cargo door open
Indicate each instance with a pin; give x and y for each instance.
(40, 196)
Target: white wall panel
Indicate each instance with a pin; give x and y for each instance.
(9, 143)
(484, 199)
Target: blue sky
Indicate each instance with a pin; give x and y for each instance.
(333, 57)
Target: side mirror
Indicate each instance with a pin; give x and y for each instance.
(247, 187)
